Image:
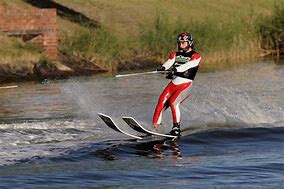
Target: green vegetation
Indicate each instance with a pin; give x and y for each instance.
(45, 61)
(224, 39)
(223, 31)
(272, 30)
(14, 50)
(99, 43)
(227, 31)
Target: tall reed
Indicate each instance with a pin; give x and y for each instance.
(272, 30)
(223, 38)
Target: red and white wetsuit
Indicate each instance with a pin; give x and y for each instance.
(186, 65)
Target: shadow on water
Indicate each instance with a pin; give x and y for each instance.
(186, 146)
(151, 149)
(113, 150)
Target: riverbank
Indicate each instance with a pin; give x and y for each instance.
(106, 39)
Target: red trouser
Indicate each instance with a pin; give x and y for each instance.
(172, 96)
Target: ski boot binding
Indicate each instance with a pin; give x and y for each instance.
(175, 130)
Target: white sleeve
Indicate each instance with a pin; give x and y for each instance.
(169, 63)
(188, 65)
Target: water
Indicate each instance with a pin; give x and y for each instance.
(51, 136)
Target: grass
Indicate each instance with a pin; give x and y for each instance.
(223, 31)
(234, 37)
(99, 43)
(17, 52)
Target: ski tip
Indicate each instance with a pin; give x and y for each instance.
(127, 117)
(101, 114)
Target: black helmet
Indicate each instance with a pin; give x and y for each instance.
(185, 36)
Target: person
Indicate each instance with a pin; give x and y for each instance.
(181, 68)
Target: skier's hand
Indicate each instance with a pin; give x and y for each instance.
(161, 69)
(171, 73)
(174, 71)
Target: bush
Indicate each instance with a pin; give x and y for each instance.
(272, 30)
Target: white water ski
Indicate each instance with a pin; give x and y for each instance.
(137, 127)
(110, 123)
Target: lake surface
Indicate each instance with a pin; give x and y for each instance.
(233, 127)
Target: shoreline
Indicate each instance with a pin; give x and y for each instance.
(67, 69)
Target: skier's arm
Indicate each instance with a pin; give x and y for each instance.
(168, 64)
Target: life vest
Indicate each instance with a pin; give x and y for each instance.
(182, 58)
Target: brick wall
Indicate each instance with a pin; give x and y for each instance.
(38, 25)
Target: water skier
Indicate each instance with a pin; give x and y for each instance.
(181, 67)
